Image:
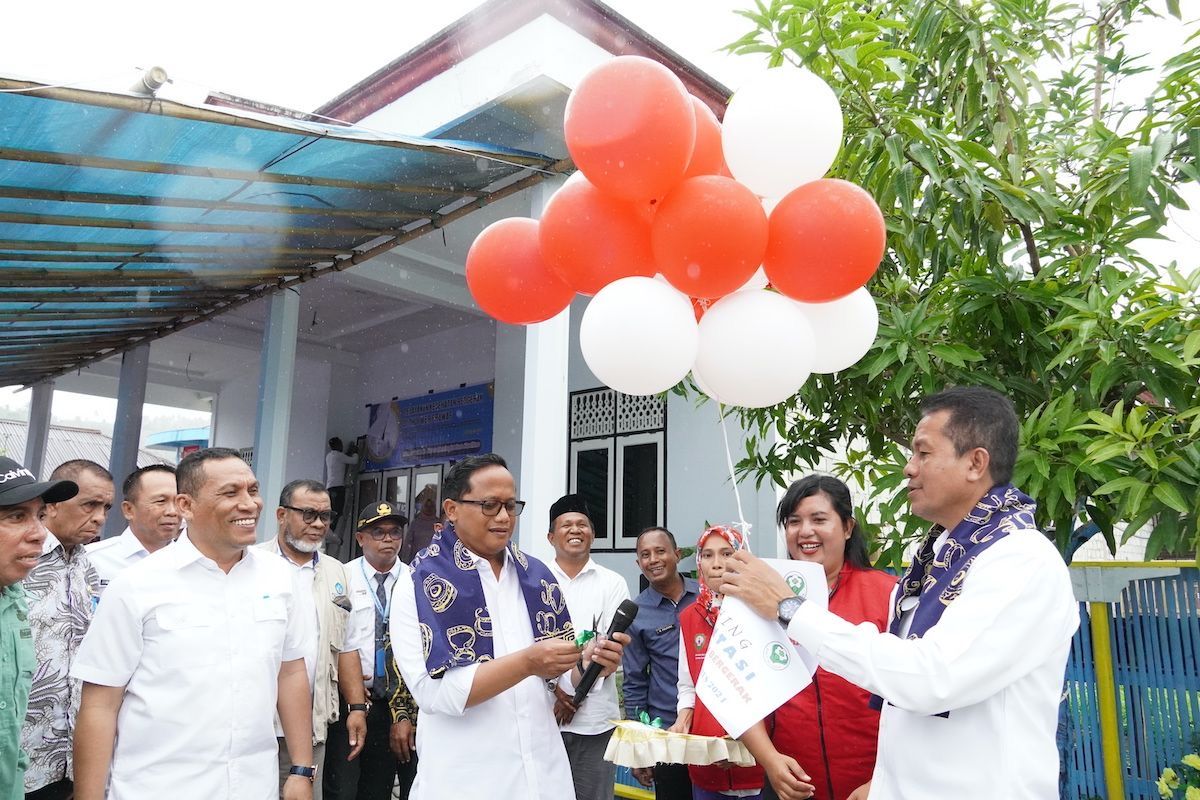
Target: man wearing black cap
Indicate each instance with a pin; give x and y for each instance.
(593, 594)
(22, 498)
(390, 749)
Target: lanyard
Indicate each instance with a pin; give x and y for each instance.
(385, 611)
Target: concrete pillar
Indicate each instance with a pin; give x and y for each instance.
(543, 468)
(275, 380)
(127, 429)
(38, 432)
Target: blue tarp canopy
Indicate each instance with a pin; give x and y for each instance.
(126, 218)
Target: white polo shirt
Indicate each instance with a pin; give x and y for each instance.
(198, 651)
(113, 555)
(592, 598)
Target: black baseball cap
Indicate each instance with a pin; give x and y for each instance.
(373, 512)
(19, 485)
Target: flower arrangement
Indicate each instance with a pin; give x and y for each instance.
(1183, 782)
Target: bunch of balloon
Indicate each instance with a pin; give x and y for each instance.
(710, 248)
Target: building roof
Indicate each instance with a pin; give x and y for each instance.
(64, 444)
(126, 218)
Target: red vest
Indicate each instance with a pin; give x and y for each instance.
(829, 728)
(697, 633)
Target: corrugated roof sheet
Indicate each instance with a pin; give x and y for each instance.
(126, 218)
(64, 444)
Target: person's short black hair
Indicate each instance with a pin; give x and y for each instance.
(71, 470)
(307, 484)
(132, 484)
(335, 444)
(458, 479)
(839, 497)
(189, 475)
(980, 417)
(657, 529)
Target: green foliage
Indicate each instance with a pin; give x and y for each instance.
(1018, 191)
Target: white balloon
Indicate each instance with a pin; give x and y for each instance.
(755, 349)
(782, 129)
(703, 386)
(844, 330)
(639, 335)
(757, 281)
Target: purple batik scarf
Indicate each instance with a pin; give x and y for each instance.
(456, 626)
(938, 581)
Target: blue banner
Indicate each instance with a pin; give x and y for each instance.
(430, 429)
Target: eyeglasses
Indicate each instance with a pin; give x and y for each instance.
(311, 515)
(378, 534)
(491, 508)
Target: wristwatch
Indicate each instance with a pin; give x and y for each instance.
(305, 772)
(363, 707)
(788, 607)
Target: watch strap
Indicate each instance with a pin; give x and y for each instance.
(358, 707)
(304, 772)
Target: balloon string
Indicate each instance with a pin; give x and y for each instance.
(741, 523)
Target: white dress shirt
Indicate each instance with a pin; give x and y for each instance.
(592, 598)
(113, 555)
(198, 651)
(362, 617)
(995, 660)
(508, 746)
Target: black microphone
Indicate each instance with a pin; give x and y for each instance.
(622, 619)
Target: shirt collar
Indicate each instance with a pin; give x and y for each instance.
(51, 542)
(310, 564)
(690, 586)
(394, 571)
(590, 566)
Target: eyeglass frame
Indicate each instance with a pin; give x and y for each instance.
(517, 506)
(311, 515)
(373, 532)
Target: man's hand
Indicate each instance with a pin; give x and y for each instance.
(402, 739)
(755, 583)
(788, 779)
(644, 776)
(297, 787)
(683, 722)
(550, 658)
(861, 792)
(564, 706)
(356, 727)
(606, 651)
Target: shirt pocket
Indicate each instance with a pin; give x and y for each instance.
(270, 624)
(188, 633)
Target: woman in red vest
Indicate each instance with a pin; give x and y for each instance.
(826, 735)
(715, 781)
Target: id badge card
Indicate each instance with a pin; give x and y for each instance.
(381, 663)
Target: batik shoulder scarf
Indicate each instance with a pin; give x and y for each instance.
(937, 580)
(456, 626)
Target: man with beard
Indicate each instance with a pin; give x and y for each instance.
(323, 601)
(60, 592)
(149, 508)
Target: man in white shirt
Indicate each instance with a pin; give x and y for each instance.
(593, 595)
(331, 648)
(478, 629)
(335, 475)
(390, 751)
(971, 670)
(190, 654)
(149, 508)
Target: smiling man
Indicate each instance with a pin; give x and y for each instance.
(970, 670)
(593, 595)
(191, 652)
(331, 650)
(22, 497)
(479, 630)
(154, 522)
(60, 592)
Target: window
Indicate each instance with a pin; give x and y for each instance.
(618, 463)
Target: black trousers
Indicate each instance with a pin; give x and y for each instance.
(371, 775)
(59, 790)
(671, 782)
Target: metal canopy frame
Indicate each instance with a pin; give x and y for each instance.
(124, 219)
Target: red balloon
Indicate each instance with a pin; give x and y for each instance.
(591, 239)
(508, 277)
(827, 239)
(707, 157)
(630, 127)
(709, 236)
(699, 306)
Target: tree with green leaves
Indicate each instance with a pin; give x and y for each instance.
(1019, 185)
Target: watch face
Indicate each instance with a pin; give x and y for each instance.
(788, 608)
